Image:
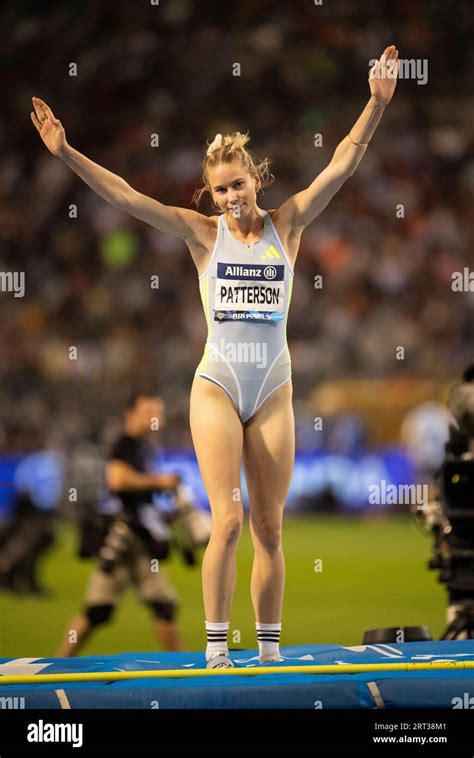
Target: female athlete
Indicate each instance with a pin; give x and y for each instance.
(241, 397)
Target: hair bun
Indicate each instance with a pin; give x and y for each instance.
(216, 143)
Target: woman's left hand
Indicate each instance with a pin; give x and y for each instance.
(383, 75)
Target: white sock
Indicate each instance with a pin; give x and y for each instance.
(216, 637)
(268, 637)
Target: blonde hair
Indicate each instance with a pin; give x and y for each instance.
(227, 150)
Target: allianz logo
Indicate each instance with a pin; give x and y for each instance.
(269, 272)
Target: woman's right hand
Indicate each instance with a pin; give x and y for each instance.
(49, 127)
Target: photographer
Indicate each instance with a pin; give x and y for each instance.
(22, 543)
(461, 404)
(449, 515)
(139, 537)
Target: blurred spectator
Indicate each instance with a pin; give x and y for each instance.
(25, 538)
(386, 279)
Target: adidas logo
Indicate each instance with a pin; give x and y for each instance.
(270, 252)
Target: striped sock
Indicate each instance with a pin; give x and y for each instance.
(216, 637)
(268, 637)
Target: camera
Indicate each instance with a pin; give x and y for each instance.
(114, 547)
(451, 516)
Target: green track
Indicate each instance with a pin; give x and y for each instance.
(373, 574)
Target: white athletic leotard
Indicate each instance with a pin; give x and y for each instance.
(246, 293)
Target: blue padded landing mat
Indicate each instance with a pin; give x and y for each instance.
(376, 689)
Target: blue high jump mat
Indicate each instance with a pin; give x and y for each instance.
(442, 678)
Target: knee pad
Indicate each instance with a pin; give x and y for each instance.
(98, 614)
(164, 609)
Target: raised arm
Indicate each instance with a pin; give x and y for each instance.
(303, 207)
(180, 222)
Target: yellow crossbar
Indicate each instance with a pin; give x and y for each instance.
(349, 668)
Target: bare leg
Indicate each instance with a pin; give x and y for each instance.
(103, 589)
(269, 452)
(217, 436)
(168, 634)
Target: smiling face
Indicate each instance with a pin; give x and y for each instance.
(233, 188)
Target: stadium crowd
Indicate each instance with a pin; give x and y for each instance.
(386, 247)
